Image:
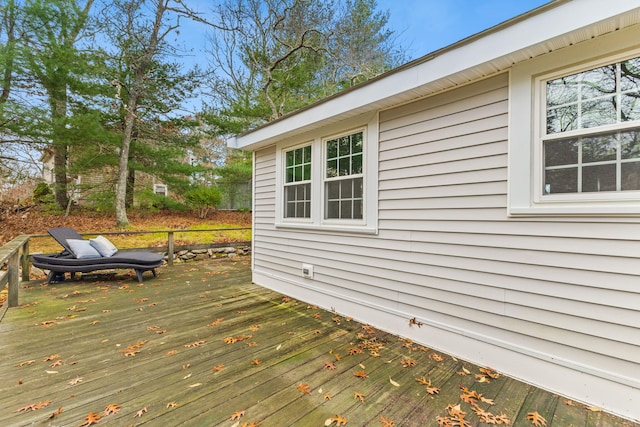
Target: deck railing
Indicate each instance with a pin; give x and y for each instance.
(15, 256)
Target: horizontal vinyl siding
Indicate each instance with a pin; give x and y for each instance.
(446, 253)
(568, 287)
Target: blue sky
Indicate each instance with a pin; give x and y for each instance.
(424, 26)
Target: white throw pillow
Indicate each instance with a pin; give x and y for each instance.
(82, 249)
(104, 246)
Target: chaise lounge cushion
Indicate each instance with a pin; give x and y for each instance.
(104, 246)
(82, 249)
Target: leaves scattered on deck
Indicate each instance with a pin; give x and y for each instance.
(210, 348)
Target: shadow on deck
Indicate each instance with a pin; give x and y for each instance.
(202, 346)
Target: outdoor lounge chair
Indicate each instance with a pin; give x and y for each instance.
(69, 260)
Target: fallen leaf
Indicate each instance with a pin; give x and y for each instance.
(386, 422)
(218, 367)
(140, 412)
(594, 409)
(329, 365)
(536, 419)
(393, 383)
(255, 362)
(433, 390)
(113, 408)
(75, 381)
(359, 396)
(237, 415)
(339, 420)
(304, 388)
(34, 406)
(361, 374)
(91, 419)
(56, 413)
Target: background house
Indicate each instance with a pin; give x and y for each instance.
(488, 191)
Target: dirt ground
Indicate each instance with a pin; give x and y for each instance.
(34, 222)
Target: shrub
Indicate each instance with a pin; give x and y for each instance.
(203, 199)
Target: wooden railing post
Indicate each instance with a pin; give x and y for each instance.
(170, 248)
(12, 276)
(24, 262)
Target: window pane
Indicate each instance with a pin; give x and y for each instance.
(356, 143)
(346, 189)
(630, 74)
(344, 166)
(357, 188)
(599, 113)
(563, 152)
(599, 148)
(345, 146)
(332, 149)
(307, 154)
(599, 178)
(289, 174)
(631, 176)
(598, 82)
(297, 176)
(561, 181)
(562, 91)
(356, 164)
(630, 144)
(291, 210)
(562, 119)
(332, 168)
(333, 209)
(357, 209)
(290, 157)
(630, 108)
(306, 173)
(333, 190)
(345, 209)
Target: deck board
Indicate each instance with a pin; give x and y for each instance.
(179, 322)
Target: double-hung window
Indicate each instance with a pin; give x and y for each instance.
(297, 186)
(330, 182)
(343, 177)
(574, 131)
(592, 134)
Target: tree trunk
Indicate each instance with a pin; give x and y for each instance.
(58, 106)
(10, 46)
(60, 174)
(131, 183)
(123, 166)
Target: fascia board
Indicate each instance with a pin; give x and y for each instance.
(485, 47)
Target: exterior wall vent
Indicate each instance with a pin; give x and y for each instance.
(307, 271)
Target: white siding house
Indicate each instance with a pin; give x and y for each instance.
(489, 190)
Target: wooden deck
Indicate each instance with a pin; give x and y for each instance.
(201, 346)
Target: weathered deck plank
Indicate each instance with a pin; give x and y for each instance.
(182, 372)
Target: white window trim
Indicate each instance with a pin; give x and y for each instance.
(369, 222)
(281, 170)
(526, 118)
